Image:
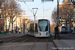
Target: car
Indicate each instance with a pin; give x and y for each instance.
(73, 30)
(63, 29)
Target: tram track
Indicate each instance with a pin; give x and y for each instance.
(14, 46)
(17, 45)
(34, 42)
(5, 40)
(38, 40)
(16, 39)
(47, 45)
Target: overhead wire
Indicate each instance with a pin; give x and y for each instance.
(47, 9)
(38, 5)
(43, 9)
(27, 6)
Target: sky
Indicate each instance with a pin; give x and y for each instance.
(44, 10)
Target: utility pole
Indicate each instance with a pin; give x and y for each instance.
(34, 14)
(57, 12)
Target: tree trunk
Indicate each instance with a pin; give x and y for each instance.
(12, 25)
(24, 26)
(6, 25)
(9, 25)
(20, 24)
(66, 22)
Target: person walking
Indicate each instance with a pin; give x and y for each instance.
(56, 32)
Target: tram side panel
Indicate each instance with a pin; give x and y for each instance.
(31, 30)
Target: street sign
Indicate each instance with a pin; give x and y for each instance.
(46, 0)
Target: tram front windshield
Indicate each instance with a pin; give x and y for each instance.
(43, 25)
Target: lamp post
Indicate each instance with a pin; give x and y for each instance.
(0, 22)
(34, 14)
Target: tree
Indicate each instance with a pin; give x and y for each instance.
(8, 7)
(54, 15)
(1, 1)
(65, 12)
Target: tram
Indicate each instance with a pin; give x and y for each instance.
(41, 28)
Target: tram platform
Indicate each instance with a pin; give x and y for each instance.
(11, 35)
(64, 44)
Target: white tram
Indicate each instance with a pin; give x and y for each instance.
(41, 28)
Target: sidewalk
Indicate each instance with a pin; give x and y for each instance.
(11, 35)
(64, 44)
(69, 35)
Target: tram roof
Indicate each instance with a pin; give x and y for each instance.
(36, 21)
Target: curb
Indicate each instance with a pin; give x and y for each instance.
(1, 41)
(55, 45)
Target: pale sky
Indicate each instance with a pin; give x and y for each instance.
(44, 9)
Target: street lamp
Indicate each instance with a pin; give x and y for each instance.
(34, 14)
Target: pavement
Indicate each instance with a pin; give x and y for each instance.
(67, 44)
(11, 35)
(64, 44)
(68, 35)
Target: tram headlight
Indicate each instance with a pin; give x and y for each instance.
(40, 33)
(46, 33)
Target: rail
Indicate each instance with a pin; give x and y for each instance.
(12, 47)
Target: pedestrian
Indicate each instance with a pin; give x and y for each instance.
(56, 32)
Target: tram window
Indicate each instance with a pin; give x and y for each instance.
(46, 28)
(36, 29)
(43, 25)
(32, 28)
